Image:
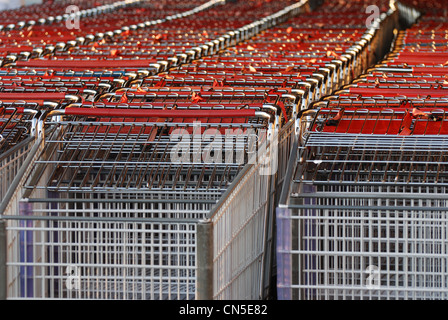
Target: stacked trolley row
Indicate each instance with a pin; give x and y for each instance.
(148, 170)
(124, 37)
(106, 208)
(364, 216)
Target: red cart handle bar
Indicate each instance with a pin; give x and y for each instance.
(150, 113)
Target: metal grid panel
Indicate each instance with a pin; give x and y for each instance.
(109, 187)
(238, 255)
(361, 253)
(100, 258)
(15, 126)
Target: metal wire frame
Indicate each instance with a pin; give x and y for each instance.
(394, 103)
(127, 258)
(225, 245)
(362, 206)
(346, 217)
(123, 245)
(116, 74)
(268, 70)
(88, 87)
(251, 241)
(406, 119)
(286, 142)
(97, 23)
(239, 90)
(247, 243)
(361, 157)
(51, 155)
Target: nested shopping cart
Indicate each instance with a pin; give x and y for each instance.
(365, 212)
(110, 205)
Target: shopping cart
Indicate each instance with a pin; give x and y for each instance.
(365, 203)
(108, 202)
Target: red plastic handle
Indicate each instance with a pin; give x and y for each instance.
(32, 96)
(436, 93)
(430, 70)
(149, 113)
(16, 49)
(86, 63)
(18, 110)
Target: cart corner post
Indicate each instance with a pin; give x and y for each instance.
(3, 284)
(204, 252)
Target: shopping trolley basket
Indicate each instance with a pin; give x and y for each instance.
(106, 202)
(366, 208)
